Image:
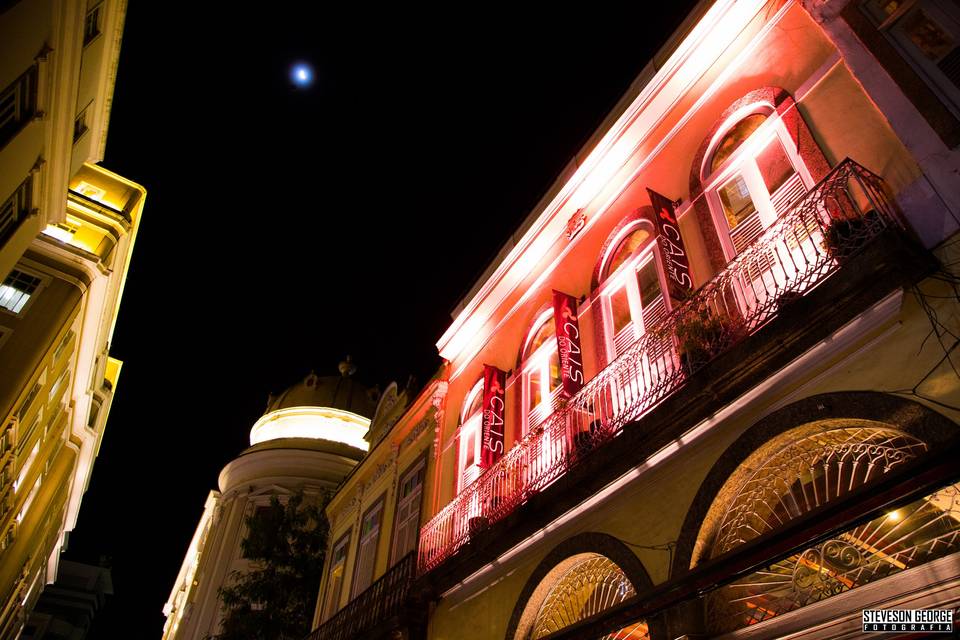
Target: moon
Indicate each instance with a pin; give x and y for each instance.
(301, 74)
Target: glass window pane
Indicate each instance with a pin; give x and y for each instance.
(917, 533)
(470, 453)
(544, 332)
(649, 283)
(736, 200)
(554, 370)
(533, 388)
(930, 38)
(590, 587)
(476, 401)
(775, 166)
(736, 137)
(620, 309)
(627, 247)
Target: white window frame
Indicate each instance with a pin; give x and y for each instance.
(332, 604)
(406, 526)
(928, 70)
(57, 385)
(539, 361)
(743, 161)
(626, 276)
(367, 547)
(25, 435)
(93, 15)
(471, 431)
(44, 279)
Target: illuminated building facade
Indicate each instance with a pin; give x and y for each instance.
(67, 230)
(376, 513)
(309, 439)
(708, 389)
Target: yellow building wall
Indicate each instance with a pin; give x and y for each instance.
(376, 477)
(847, 124)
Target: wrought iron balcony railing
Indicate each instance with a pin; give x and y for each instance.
(808, 243)
(382, 600)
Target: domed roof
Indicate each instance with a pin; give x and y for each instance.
(336, 392)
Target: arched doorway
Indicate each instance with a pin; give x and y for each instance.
(800, 466)
(591, 584)
(583, 576)
(798, 474)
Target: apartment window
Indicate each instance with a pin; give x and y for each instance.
(927, 34)
(632, 291)
(95, 406)
(15, 209)
(8, 538)
(58, 385)
(18, 105)
(25, 466)
(541, 372)
(471, 426)
(80, 125)
(28, 401)
(407, 521)
(52, 418)
(26, 434)
(367, 548)
(6, 438)
(752, 175)
(62, 231)
(64, 343)
(335, 575)
(92, 24)
(17, 290)
(29, 501)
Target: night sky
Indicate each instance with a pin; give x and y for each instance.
(285, 228)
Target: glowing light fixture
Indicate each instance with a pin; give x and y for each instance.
(894, 516)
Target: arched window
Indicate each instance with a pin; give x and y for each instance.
(541, 372)
(471, 424)
(752, 173)
(590, 585)
(632, 286)
(797, 472)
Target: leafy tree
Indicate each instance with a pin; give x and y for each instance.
(274, 600)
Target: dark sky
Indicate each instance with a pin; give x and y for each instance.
(285, 228)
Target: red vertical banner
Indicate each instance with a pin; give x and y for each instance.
(568, 342)
(494, 382)
(674, 253)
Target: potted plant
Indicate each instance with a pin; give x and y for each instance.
(701, 335)
(581, 441)
(843, 234)
(788, 296)
(584, 441)
(476, 524)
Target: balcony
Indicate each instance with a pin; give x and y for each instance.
(376, 611)
(790, 267)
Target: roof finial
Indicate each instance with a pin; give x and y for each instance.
(347, 367)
